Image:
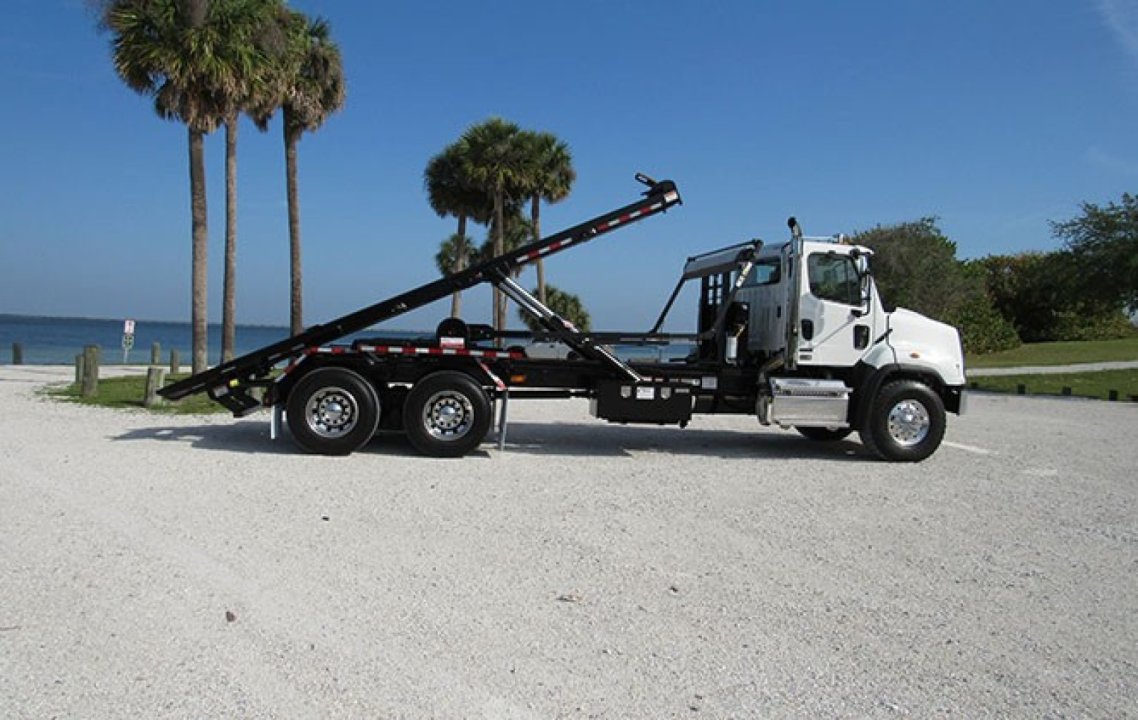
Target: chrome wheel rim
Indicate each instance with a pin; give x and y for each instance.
(448, 415)
(909, 423)
(332, 412)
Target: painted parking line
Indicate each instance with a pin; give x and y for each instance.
(968, 448)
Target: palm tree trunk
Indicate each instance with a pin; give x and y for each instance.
(459, 266)
(296, 294)
(535, 217)
(499, 245)
(195, 12)
(229, 284)
(200, 240)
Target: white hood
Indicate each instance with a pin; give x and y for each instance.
(919, 340)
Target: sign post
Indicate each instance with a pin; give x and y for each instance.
(127, 339)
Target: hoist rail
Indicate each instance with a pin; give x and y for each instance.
(256, 365)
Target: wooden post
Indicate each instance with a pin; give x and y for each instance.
(155, 378)
(156, 354)
(175, 362)
(79, 369)
(17, 354)
(90, 371)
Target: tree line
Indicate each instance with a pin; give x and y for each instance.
(1084, 291)
(205, 63)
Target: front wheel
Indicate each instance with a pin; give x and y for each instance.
(332, 411)
(446, 414)
(905, 422)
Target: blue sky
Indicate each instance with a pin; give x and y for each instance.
(993, 116)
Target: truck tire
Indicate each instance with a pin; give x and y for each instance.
(446, 414)
(905, 423)
(332, 411)
(823, 434)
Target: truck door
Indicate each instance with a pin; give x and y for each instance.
(834, 329)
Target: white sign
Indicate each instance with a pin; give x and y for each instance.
(128, 327)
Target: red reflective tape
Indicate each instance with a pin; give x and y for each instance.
(497, 381)
(411, 350)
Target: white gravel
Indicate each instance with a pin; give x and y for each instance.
(157, 566)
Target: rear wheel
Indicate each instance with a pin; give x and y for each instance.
(332, 411)
(905, 423)
(446, 414)
(823, 434)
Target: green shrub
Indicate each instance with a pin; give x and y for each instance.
(982, 329)
(1089, 325)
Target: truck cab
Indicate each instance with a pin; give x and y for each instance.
(836, 361)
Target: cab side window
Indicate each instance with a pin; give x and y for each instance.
(834, 277)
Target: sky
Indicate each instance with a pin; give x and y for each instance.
(995, 116)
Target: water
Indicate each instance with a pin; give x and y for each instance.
(56, 341)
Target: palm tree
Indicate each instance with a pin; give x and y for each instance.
(453, 256)
(183, 54)
(255, 26)
(450, 192)
(517, 230)
(550, 178)
(307, 83)
(566, 305)
(495, 161)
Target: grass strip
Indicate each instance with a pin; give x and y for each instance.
(1059, 353)
(1088, 384)
(128, 392)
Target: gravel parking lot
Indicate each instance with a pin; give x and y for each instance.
(189, 567)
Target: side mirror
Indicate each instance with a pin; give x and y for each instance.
(865, 296)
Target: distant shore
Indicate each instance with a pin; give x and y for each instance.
(56, 340)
